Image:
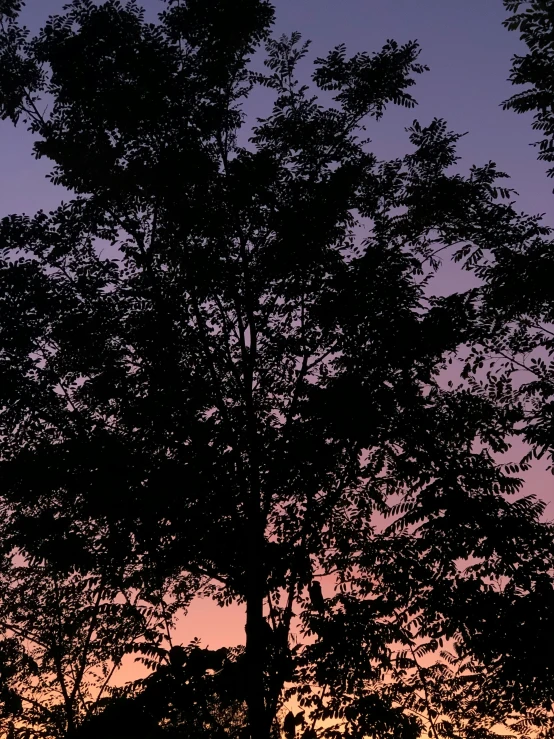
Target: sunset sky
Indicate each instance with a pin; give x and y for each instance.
(469, 53)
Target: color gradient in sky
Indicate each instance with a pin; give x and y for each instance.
(469, 53)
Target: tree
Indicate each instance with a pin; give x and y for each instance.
(518, 301)
(195, 692)
(222, 355)
(63, 639)
(534, 19)
(512, 361)
(517, 308)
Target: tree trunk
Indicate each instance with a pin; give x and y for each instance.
(255, 650)
(256, 647)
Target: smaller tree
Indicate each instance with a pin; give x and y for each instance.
(194, 692)
(63, 639)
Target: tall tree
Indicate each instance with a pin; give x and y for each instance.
(221, 353)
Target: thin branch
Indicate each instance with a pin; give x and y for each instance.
(88, 640)
(103, 687)
(424, 685)
(55, 650)
(23, 633)
(39, 706)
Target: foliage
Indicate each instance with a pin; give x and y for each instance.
(534, 20)
(63, 640)
(517, 306)
(222, 358)
(194, 693)
(514, 357)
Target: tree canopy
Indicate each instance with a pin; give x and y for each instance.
(223, 370)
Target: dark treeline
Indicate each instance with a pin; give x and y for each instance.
(222, 373)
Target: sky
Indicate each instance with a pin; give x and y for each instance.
(463, 42)
(469, 53)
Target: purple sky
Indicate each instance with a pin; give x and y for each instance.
(463, 41)
(469, 52)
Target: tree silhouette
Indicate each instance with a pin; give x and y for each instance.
(517, 307)
(195, 692)
(518, 299)
(62, 640)
(535, 22)
(222, 358)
